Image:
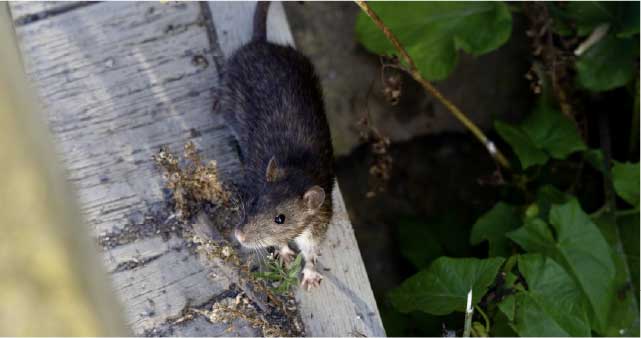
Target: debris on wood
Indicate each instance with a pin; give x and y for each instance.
(228, 310)
(159, 221)
(273, 313)
(192, 184)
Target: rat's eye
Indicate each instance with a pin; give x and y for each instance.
(280, 219)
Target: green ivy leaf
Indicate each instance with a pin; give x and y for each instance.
(629, 228)
(492, 227)
(589, 14)
(548, 195)
(609, 64)
(587, 255)
(552, 305)
(508, 306)
(525, 149)
(510, 280)
(623, 17)
(624, 310)
(580, 247)
(534, 236)
(443, 287)
(625, 177)
(545, 133)
(433, 32)
(553, 132)
(595, 158)
(501, 326)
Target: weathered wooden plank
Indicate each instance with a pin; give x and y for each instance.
(344, 305)
(119, 80)
(143, 287)
(201, 327)
(139, 271)
(52, 282)
(129, 256)
(24, 12)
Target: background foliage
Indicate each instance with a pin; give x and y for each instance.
(555, 260)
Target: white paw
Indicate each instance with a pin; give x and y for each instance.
(286, 255)
(311, 279)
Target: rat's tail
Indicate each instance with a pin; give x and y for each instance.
(260, 21)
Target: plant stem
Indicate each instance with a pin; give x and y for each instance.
(469, 311)
(629, 212)
(610, 200)
(487, 320)
(416, 74)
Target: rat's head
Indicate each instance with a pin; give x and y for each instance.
(284, 206)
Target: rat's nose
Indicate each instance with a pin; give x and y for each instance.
(240, 236)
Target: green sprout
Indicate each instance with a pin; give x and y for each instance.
(280, 278)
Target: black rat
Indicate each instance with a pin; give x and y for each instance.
(271, 98)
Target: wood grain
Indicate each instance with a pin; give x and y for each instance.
(118, 81)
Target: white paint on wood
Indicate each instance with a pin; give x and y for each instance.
(117, 81)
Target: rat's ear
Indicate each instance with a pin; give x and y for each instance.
(314, 197)
(273, 172)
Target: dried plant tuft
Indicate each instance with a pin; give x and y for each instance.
(191, 184)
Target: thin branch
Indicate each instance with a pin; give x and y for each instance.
(416, 74)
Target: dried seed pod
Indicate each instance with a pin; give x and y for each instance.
(392, 88)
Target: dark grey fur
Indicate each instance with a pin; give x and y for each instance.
(272, 100)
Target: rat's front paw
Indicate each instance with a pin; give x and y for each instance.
(311, 278)
(286, 255)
